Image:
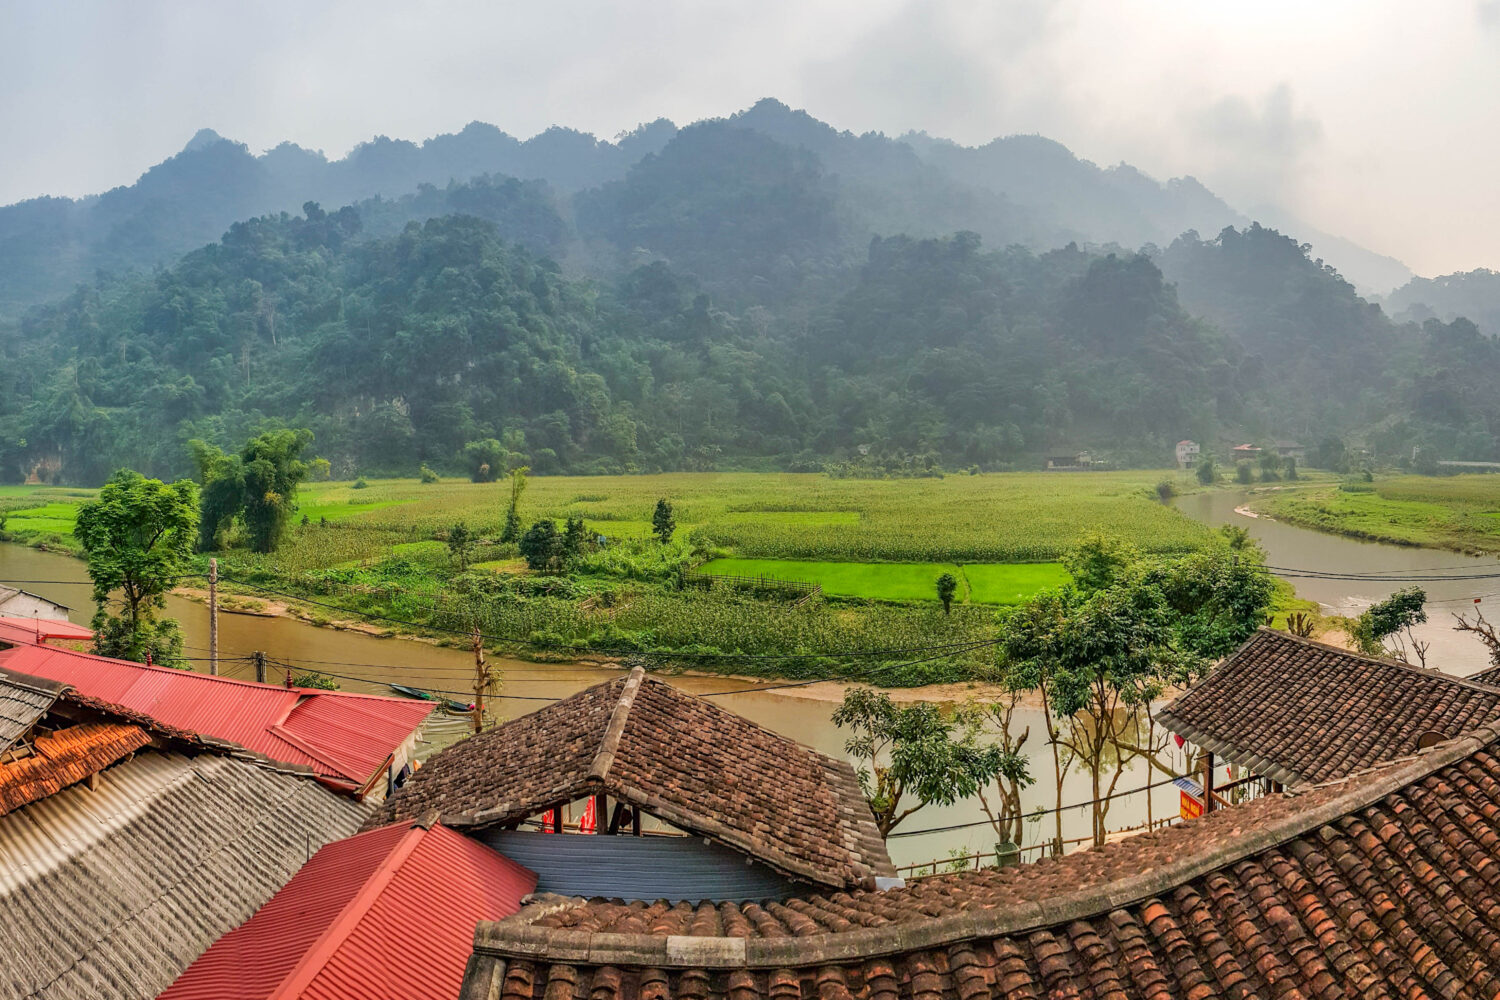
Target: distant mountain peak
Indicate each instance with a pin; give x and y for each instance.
(202, 139)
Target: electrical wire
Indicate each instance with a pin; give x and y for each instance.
(1036, 812)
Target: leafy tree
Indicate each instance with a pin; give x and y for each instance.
(485, 459)
(461, 544)
(1218, 595)
(1166, 490)
(1099, 661)
(542, 547)
(1291, 467)
(1386, 626)
(272, 471)
(258, 487)
(947, 586)
(426, 475)
(915, 752)
(1207, 472)
(1100, 560)
(137, 537)
(663, 523)
(1270, 467)
(313, 679)
(320, 470)
(999, 718)
(511, 531)
(575, 537)
(1243, 473)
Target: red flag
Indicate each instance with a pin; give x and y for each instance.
(1179, 739)
(590, 821)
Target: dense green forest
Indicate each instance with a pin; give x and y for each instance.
(762, 291)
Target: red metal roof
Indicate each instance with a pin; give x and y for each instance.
(387, 913)
(345, 738)
(30, 631)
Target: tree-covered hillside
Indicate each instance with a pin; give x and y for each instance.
(401, 349)
(1020, 189)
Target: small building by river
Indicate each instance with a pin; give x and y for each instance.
(684, 800)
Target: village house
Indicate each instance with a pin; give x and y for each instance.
(17, 603)
(764, 816)
(1070, 461)
(1245, 453)
(130, 846)
(385, 913)
(1298, 712)
(1376, 884)
(1187, 454)
(352, 743)
(1289, 449)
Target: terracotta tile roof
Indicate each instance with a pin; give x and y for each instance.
(344, 738)
(678, 757)
(1298, 711)
(65, 757)
(1489, 675)
(1385, 883)
(386, 913)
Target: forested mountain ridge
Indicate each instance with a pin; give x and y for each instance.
(1021, 189)
(401, 349)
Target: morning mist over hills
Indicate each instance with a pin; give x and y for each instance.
(760, 290)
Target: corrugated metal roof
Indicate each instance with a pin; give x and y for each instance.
(344, 737)
(647, 868)
(388, 913)
(29, 631)
(23, 700)
(111, 893)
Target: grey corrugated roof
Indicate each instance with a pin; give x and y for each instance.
(649, 868)
(23, 700)
(111, 893)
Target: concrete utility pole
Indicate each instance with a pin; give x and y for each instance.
(213, 617)
(260, 667)
(481, 680)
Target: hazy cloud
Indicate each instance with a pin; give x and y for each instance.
(1255, 151)
(1328, 109)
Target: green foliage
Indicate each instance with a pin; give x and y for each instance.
(319, 470)
(947, 587)
(1100, 560)
(575, 539)
(511, 531)
(461, 544)
(916, 752)
(1244, 474)
(360, 484)
(485, 458)
(1387, 619)
(542, 547)
(1217, 595)
(137, 537)
(313, 679)
(427, 476)
(663, 522)
(1166, 490)
(1207, 472)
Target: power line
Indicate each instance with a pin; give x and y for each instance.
(1035, 812)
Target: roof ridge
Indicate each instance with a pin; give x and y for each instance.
(317, 954)
(523, 940)
(605, 758)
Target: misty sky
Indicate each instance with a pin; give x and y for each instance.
(1376, 120)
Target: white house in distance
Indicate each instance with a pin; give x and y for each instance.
(1187, 454)
(16, 603)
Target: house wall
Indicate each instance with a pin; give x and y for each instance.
(648, 868)
(23, 605)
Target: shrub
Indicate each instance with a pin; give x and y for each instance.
(427, 475)
(360, 484)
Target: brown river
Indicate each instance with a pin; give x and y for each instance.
(367, 663)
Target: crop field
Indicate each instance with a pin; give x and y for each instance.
(1461, 513)
(978, 583)
(1004, 518)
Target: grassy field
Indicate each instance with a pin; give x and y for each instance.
(1461, 513)
(978, 583)
(877, 548)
